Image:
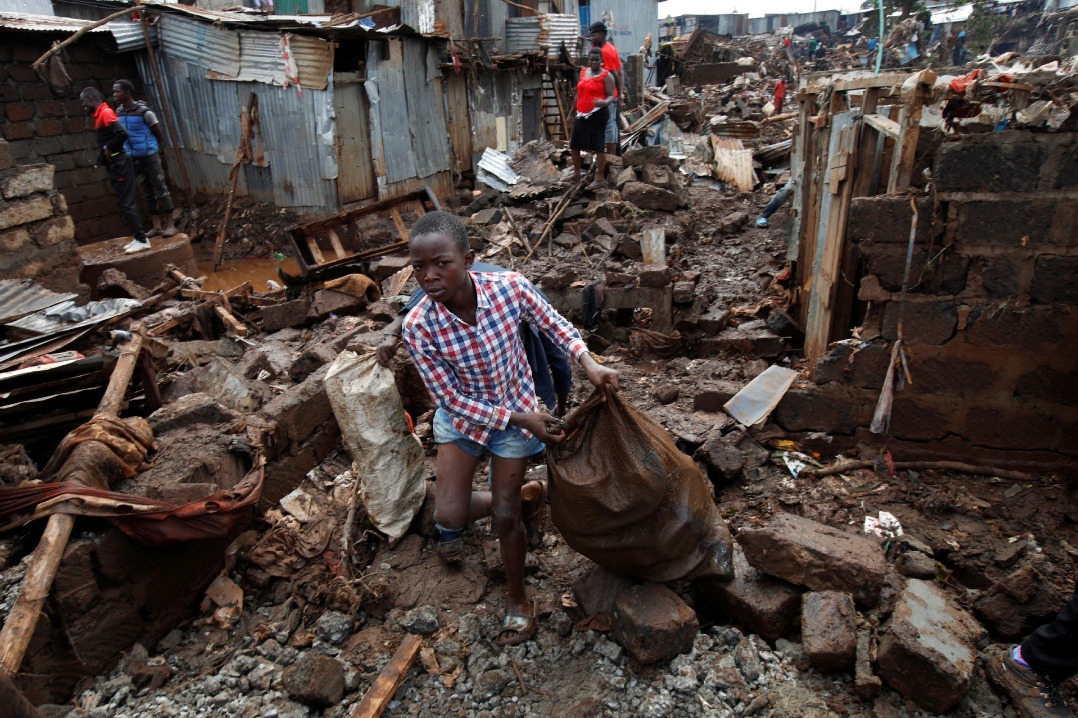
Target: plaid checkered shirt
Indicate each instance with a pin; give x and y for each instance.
(480, 374)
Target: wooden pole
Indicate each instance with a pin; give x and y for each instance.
(243, 154)
(21, 620)
(82, 31)
(385, 685)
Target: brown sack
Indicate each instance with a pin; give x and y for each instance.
(624, 496)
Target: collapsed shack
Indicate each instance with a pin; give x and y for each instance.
(928, 245)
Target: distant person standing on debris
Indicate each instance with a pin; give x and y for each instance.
(780, 95)
(594, 95)
(612, 64)
(1032, 671)
(111, 136)
(464, 338)
(143, 144)
(959, 55)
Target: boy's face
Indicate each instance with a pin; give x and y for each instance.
(441, 269)
(120, 95)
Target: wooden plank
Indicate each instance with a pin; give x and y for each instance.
(831, 238)
(909, 122)
(882, 124)
(863, 83)
(316, 253)
(388, 681)
(399, 223)
(335, 241)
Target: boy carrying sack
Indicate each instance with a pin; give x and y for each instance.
(464, 339)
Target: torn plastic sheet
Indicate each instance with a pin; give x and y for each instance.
(886, 525)
(795, 461)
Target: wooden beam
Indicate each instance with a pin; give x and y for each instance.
(335, 241)
(401, 229)
(388, 681)
(914, 92)
(863, 83)
(316, 253)
(887, 126)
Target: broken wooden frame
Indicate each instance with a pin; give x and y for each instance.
(306, 238)
(845, 151)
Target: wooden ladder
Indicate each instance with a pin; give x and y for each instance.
(553, 110)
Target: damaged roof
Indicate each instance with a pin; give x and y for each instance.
(44, 23)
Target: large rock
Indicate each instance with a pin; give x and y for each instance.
(762, 604)
(927, 650)
(646, 196)
(719, 454)
(315, 679)
(811, 554)
(827, 630)
(652, 154)
(653, 623)
(597, 590)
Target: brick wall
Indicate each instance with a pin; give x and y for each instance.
(37, 237)
(991, 318)
(44, 125)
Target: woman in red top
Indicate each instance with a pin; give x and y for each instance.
(594, 93)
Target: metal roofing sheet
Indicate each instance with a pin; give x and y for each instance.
(43, 23)
(547, 30)
(426, 108)
(213, 48)
(128, 35)
(385, 87)
(19, 297)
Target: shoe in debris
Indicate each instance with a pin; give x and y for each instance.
(450, 552)
(135, 246)
(1033, 695)
(762, 222)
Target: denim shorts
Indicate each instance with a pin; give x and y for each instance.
(612, 123)
(508, 443)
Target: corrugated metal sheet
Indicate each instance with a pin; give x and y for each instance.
(300, 146)
(389, 116)
(29, 7)
(201, 43)
(40, 22)
(418, 14)
(128, 35)
(426, 108)
(733, 163)
(19, 297)
(629, 21)
(261, 59)
(459, 119)
(548, 30)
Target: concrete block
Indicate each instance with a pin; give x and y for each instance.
(388, 266)
(724, 458)
(886, 220)
(927, 322)
(6, 158)
(832, 408)
(989, 166)
(329, 301)
(1053, 280)
(488, 216)
(684, 292)
(315, 679)
(930, 271)
(654, 278)
(25, 180)
(827, 630)
(1006, 223)
(927, 651)
(24, 211)
(750, 338)
(762, 604)
(653, 623)
(1067, 177)
(646, 196)
(819, 557)
(866, 684)
(626, 176)
(301, 409)
(14, 240)
(311, 359)
(597, 590)
(197, 408)
(146, 268)
(286, 314)
(54, 231)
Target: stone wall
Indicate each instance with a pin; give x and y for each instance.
(37, 236)
(991, 316)
(42, 124)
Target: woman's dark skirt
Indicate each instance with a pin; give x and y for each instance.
(589, 133)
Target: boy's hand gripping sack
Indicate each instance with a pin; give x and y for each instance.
(624, 496)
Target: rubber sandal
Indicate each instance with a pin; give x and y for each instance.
(532, 527)
(595, 185)
(450, 552)
(517, 628)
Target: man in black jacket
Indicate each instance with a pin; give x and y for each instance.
(110, 141)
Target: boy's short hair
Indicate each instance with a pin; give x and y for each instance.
(92, 93)
(126, 85)
(444, 223)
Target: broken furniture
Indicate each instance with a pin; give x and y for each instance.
(311, 239)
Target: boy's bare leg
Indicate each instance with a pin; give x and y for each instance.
(506, 517)
(455, 505)
(576, 164)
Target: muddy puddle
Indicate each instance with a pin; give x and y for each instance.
(234, 272)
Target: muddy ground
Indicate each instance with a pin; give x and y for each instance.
(978, 531)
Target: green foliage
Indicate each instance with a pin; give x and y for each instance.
(983, 25)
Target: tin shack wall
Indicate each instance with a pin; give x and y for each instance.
(628, 22)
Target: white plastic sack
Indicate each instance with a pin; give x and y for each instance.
(388, 456)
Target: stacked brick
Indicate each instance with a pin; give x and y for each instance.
(37, 237)
(45, 125)
(992, 304)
